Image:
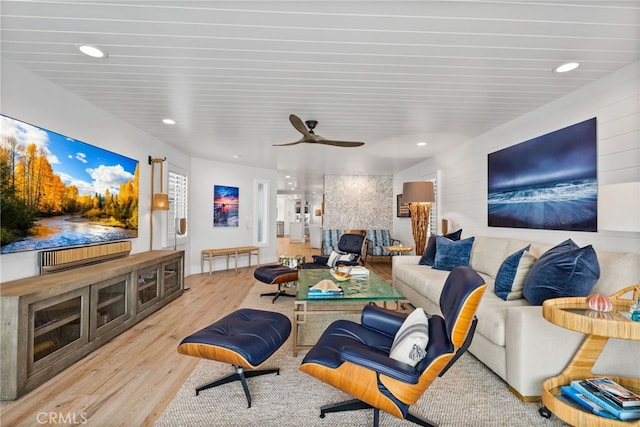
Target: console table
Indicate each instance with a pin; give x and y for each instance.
(573, 314)
(210, 254)
(49, 322)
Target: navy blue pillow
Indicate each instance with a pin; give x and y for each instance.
(562, 271)
(451, 254)
(567, 245)
(507, 273)
(429, 255)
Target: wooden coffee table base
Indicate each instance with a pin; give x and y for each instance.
(301, 314)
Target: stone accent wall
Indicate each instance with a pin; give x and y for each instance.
(360, 202)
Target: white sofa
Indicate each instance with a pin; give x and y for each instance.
(512, 338)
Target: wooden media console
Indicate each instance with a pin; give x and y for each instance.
(51, 321)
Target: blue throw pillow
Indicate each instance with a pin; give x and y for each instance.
(451, 254)
(506, 286)
(562, 271)
(429, 255)
(567, 245)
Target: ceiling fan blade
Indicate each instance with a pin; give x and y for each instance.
(299, 125)
(321, 140)
(288, 144)
(301, 140)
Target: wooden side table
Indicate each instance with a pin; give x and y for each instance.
(399, 249)
(573, 314)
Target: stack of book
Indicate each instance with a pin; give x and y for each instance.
(325, 288)
(604, 397)
(356, 270)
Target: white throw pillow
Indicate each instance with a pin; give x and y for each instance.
(526, 262)
(331, 262)
(410, 343)
(336, 257)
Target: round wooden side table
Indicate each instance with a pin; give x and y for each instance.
(399, 249)
(573, 314)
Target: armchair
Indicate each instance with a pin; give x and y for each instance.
(348, 244)
(330, 239)
(376, 241)
(355, 357)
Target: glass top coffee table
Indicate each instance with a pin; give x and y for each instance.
(357, 292)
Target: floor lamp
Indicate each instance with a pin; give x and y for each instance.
(419, 195)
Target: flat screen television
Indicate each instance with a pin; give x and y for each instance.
(56, 191)
(549, 182)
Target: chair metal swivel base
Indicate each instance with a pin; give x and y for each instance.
(276, 275)
(355, 405)
(279, 293)
(239, 375)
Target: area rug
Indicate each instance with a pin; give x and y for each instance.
(469, 394)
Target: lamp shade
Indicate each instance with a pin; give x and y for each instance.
(418, 192)
(160, 202)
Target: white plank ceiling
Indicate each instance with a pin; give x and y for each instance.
(389, 73)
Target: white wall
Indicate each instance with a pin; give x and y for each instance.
(27, 97)
(32, 99)
(462, 186)
(205, 174)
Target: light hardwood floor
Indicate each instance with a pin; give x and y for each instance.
(130, 380)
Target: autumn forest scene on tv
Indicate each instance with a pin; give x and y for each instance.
(56, 191)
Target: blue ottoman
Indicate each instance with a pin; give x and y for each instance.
(276, 275)
(245, 339)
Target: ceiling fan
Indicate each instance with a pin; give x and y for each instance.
(308, 136)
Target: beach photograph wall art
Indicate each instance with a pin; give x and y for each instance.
(549, 182)
(225, 206)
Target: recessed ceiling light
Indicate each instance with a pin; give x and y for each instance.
(93, 51)
(287, 176)
(421, 144)
(569, 66)
(168, 121)
(236, 156)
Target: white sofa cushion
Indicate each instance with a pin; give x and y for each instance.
(492, 317)
(617, 271)
(430, 284)
(488, 253)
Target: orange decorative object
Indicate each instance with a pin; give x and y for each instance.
(599, 302)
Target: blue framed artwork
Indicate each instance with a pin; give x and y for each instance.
(56, 191)
(225, 206)
(549, 182)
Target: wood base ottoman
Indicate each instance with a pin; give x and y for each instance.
(245, 339)
(276, 275)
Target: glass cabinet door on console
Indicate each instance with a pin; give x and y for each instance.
(148, 287)
(171, 277)
(58, 326)
(109, 305)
